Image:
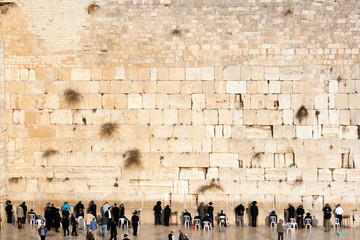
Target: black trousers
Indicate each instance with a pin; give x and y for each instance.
(9, 217)
(157, 219)
(73, 231)
(340, 219)
(66, 230)
(113, 237)
(42, 237)
(135, 228)
(166, 221)
(253, 220)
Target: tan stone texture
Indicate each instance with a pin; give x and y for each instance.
(218, 102)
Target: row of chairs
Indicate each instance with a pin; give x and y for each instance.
(197, 223)
(292, 225)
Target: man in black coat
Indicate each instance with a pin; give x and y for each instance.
(78, 206)
(135, 223)
(74, 222)
(56, 219)
(254, 211)
(8, 210)
(48, 218)
(92, 208)
(240, 210)
(109, 216)
(157, 212)
(116, 213)
(122, 210)
(167, 213)
(186, 213)
(113, 231)
(210, 211)
(65, 225)
(291, 211)
(300, 216)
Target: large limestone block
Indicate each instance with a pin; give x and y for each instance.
(119, 73)
(355, 117)
(354, 100)
(168, 87)
(180, 145)
(192, 174)
(207, 73)
(30, 172)
(255, 174)
(339, 175)
(304, 132)
(342, 188)
(272, 73)
(324, 175)
(61, 186)
(181, 187)
(47, 74)
(257, 73)
(284, 101)
(309, 174)
(258, 132)
(180, 101)
(317, 188)
(185, 160)
(293, 174)
(224, 160)
(349, 132)
(80, 74)
(193, 73)
(284, 132)
(134, 101)
(275, 174)
(294, 189)
(147, 186)
(170, 116)
(236, 87)
(210, 117)
(353, 175)
(291, 73)
(41, 132)
(87, 172)
(212, 173)
(231, 73)
(176, 74)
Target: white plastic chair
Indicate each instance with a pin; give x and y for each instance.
(122, 223)
(293, 223)
(32, 219)
(272, 221)
(222, 221)
(289, 227)
(308, 223)
(39, 222)
(186, 221)
(337, 223)
(207, 225)
(197, 223)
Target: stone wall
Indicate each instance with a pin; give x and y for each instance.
(258, 98)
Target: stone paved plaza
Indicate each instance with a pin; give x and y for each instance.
(148, 232)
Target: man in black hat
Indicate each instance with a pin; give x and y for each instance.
(210, 211)
(135, 222)
(24, 207)
(254, 211)
(8, 210)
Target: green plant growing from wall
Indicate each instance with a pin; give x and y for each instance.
(132, 158)
(176, 32)
(14, 180)
(302, 113)
(108, 129)
(288, 12)
(49, 153)
(49, 179)
(72, 96)
(92, 8)
(211, 186)
(66, 179)
(6, 6)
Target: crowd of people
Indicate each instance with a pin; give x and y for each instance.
(112, 217)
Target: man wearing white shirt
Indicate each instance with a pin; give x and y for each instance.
(105, 207)
(339, 213)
